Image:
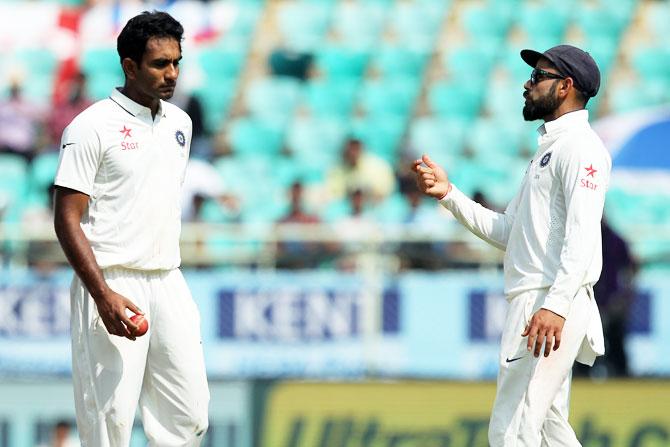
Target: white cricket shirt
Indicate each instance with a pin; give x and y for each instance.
(550, 231)
(132, 167)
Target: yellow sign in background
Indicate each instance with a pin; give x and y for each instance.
(451, 414)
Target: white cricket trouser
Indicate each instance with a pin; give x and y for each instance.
(164, 370)
(532, 397)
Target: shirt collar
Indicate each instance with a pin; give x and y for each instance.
(563, 122)
(132, 107)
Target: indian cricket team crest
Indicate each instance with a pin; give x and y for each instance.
(181, 139)
(545, 160)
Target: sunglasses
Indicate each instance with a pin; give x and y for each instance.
(538, 75)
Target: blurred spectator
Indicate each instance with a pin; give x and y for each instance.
(64, 112)
(360, 170)
(20, 121)
(614, 293)
(356, 231)
(62, 436)
(201, 144)
(299, 254)
(202, 182)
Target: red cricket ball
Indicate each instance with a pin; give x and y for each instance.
(142, 323)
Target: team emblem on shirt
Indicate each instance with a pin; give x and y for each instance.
(181, 139)
(545, 160)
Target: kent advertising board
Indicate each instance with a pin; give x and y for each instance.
(325, 324)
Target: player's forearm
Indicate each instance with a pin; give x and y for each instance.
(486, 224)
(79, 254)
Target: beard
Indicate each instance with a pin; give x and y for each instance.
(541, 107)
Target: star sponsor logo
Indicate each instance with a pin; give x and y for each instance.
(126, 132)
(585, 182)
(590, 171)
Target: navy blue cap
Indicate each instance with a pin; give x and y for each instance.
(570, 62)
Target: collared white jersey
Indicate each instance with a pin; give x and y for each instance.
(550, 231)
(132, 168)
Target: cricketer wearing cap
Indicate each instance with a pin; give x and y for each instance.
(550, 233)
(117, 217)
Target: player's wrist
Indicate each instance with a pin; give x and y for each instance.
(446, 193)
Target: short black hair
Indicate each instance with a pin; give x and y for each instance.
(132, 42)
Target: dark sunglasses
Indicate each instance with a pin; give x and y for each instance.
(538, 75)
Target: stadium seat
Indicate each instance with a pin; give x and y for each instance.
(399, 61)
(395, 96)
(381, 134)
(314, 140)
(460, 100)
(359, 24)
(442, 138)
(216, 96)
(482, 21)
(417, 23)
(219, 62)
(543, 19)
(13, 186)
(303, 24)
(273, 98)
(41, 173)
(469, 62)
(339, 62)
(330, 98)
(251, 136)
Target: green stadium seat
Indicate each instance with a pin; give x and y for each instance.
(330, 98)
(417, 23)
(316, 139)
(303, 24)
(482, 21)
(490, 139)
(100, 60)
(381, 134)
(216, 96)
(219, 62)
(442, 138)
(469, 62)
(251, 136)
(339, 62)
(273, 98)
(626, 97)
(652, 63)
(359, 24)
(599, 21)
(543, 19)
(395, 96)
(460, 100)
(13, 186)
(41, 174)
(396, 60)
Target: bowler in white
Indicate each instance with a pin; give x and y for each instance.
(117, 217)
(550, 233)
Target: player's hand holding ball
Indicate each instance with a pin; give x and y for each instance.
(142, 324)
(431, 179)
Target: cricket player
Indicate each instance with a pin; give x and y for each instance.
(117, 217)
(550, 233)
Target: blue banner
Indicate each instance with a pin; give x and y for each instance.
(325, 324)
